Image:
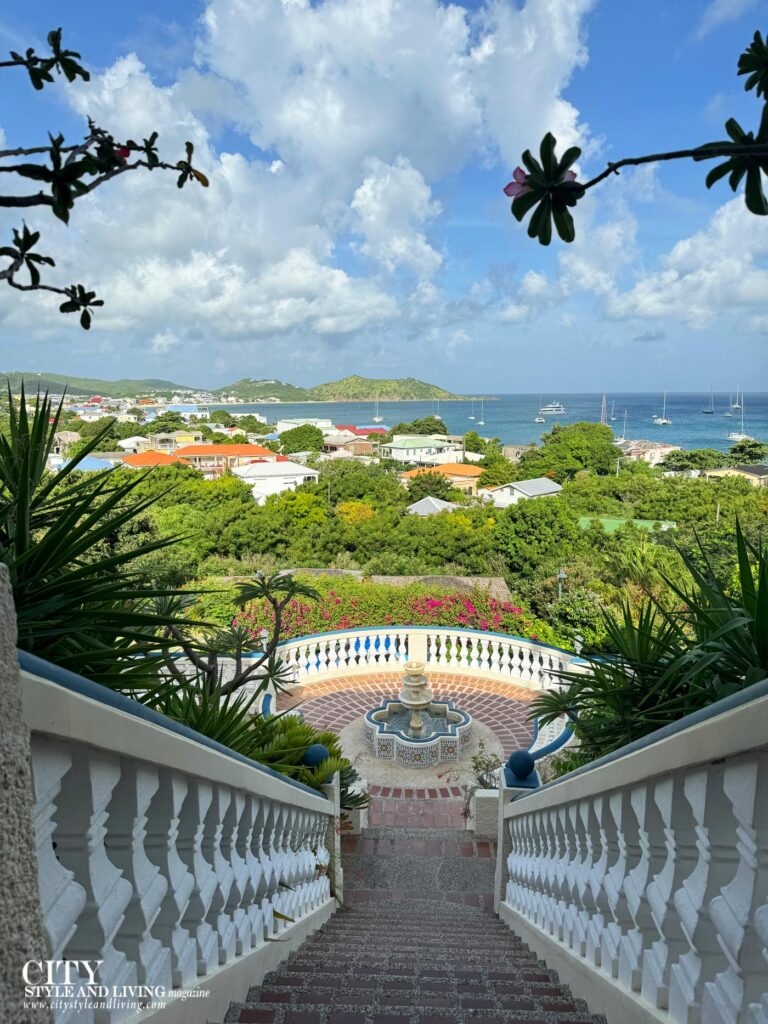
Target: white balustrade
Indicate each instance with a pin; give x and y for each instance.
(651, 872)
(460, 651)
(162, 858)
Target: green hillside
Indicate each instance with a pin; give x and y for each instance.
(350, 389)
(56, 382)
(366, 389)
(259, 390)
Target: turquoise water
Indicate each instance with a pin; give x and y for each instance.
(510, 417)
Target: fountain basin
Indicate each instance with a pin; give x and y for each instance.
(444, 735)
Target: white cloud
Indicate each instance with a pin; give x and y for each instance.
(392, 202)
(718, 12)
(357, 110)
(713, 272)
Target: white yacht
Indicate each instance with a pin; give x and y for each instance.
(739, 435)
(737, 403)
(663, 421)
(552, 409)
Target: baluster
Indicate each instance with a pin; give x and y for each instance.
(83, 824)
(189, 845)
(623, 852)
(233, 851)
(62, 899)
(744, 981)
(595, 899)
(680, 842)
(716, 866)
(249, 845)
(161, 847)
(126, 847)
(562, 872)
(644, 832)
(223, 874)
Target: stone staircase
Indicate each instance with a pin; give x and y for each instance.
(416, 943)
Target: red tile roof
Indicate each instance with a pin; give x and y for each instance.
(360, 431)
(142, 460)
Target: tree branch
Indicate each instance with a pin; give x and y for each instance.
(701, 153)
(17, 202)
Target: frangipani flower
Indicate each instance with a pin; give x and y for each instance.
(517, 187)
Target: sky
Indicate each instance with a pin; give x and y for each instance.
(355, 222)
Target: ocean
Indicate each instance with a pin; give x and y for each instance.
(510, 417)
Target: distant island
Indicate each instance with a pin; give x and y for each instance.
(349, 389)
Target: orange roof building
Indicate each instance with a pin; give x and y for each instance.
(146, 460)
(214, 459)
(463, 476)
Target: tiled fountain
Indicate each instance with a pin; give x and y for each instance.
(414, 729)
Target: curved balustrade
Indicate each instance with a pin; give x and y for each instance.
(455, 651)
(645, 880)
(159, 855)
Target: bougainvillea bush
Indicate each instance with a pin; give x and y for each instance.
(348, 604)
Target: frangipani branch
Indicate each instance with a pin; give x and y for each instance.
(68, 174)
(547, 188)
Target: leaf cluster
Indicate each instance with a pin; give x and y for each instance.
(551, 194)
(61, 61)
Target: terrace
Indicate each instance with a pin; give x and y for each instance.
(642, 880)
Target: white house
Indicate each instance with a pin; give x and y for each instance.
(423, 449)
(652, 452)
(132, 444)
(322, 424)
(509, 494)
(267, 478)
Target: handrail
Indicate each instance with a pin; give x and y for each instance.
(120, 702)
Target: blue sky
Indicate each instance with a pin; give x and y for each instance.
(355, 222)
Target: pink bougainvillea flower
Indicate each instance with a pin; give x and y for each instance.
(434, 603)
(517, 187)
(123, 152)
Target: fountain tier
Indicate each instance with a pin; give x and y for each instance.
(415, 730)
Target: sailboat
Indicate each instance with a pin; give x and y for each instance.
(711, 410)
(472, 414)
(729, 410)
(603, 413)
(481, 421)
(377, 418)
(662, 421)
(538, 418)
(613, 414)
(739, 435)
(737, 403)
(624, 431)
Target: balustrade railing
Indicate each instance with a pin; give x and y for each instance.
(457, 651)
(161, 855)
(644, 880)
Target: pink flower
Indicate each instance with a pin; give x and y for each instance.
(434, 603)
(517, 187)
(338, 600)
(123, 152)
(569, 176)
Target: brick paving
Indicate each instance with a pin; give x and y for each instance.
(336, 703)
(416, 943)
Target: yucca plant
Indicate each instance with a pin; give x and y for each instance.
(79, 603)
(669, 663)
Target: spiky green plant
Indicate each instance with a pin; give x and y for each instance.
(79, 603)
(669, 663)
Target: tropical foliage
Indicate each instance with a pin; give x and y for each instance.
(668, 663)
